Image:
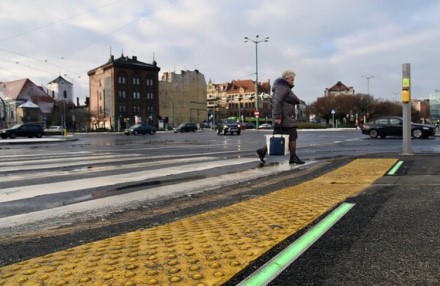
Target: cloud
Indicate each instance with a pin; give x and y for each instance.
(323, 41)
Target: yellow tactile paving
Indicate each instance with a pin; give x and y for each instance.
(206, 249)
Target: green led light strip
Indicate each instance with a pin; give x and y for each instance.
(395, 168)
(276, 265)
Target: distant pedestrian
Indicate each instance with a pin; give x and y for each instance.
(283, 114)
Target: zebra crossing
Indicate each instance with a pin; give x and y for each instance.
(61, 186)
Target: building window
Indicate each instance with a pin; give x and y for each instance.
(121, 79)
(150, 82)
(150, 109)
(136, 80)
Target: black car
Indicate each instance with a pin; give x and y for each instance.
(23, 130)
(225, 126)
(393, 126)
(140, 129)
(186, 127)
(249, 125)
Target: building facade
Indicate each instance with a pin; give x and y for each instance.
(237, 99)
(434, 105)
(60, 89)
(23, 101)
(182, 98)
(422, 106)
(123, 92)
(339, 88)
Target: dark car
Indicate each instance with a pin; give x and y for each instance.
(249, 125)
(393, 126)
(23, 130)
(226, 126)
(186, 127)
(140, 129)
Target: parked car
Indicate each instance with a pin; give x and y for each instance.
(393, 126)
(225, 126)
(54, 130)
(23, 130)
(140, 129)
(249, 125)
(186, 127)
(265, 126)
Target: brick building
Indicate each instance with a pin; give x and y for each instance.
(123, 92)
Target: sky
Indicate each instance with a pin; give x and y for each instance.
(361, 43)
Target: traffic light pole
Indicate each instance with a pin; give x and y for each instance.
(406, 109)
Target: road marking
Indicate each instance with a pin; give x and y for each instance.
(23, 192)
(279, 263)
(395, 168)
(62, 162)
(95, 169)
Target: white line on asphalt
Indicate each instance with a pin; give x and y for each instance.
(95, 169)
(23, 192)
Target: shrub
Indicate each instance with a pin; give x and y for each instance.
(310, 125)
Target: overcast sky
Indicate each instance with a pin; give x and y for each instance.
(322, 41)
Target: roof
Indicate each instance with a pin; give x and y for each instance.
(247, 85)
(126, 62)
(24, 90)
(29, 104)
(60, 80)
(339, 86)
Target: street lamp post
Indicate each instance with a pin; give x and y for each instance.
(256, 41)
(368, 82)
(368, 87)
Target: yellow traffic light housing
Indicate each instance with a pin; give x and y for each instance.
(405, 96)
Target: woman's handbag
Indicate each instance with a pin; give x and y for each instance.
(277, 144)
